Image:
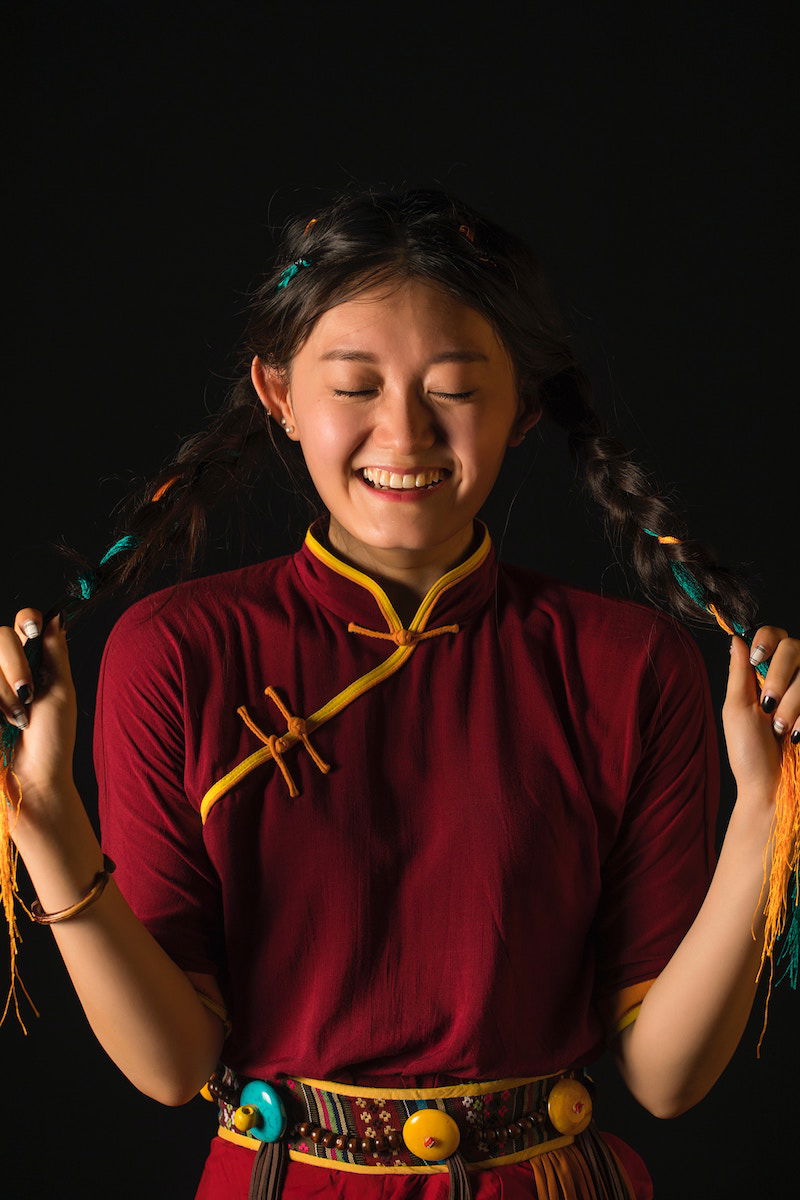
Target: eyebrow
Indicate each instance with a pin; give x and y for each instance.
(352, 355)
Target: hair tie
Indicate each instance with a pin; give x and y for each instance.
(290, 272)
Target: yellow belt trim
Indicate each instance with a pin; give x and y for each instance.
(251, 1143)
(365, 682)
(447, 1092)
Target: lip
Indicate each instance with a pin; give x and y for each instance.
(400, 470)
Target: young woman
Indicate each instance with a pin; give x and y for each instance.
(405, 836)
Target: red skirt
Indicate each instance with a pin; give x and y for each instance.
(554, 1175)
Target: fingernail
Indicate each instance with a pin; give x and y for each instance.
(768, 703)
(30, 629)
(778, 725)
(795, 737)
(24, 692)
(757, 655)
(20, 718)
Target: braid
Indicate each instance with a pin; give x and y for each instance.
(671, 568)
(167, 517)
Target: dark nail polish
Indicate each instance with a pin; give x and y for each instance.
(795, 737)
(768, 703)
(24, 693)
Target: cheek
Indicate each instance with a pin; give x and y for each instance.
(329, 439)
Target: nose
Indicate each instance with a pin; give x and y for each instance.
(404, 422)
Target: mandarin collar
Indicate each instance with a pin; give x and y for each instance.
(355, 596)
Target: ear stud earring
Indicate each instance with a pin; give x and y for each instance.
(288, 428)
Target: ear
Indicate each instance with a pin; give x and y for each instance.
(525, 421)
(273, 392)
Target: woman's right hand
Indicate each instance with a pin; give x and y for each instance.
(44, 752)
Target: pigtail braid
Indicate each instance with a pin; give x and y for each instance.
(635, 513)
(166, 518)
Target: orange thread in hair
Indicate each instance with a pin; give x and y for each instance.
(720, 620)
(468, 232)
(165, 487)
(313, 221)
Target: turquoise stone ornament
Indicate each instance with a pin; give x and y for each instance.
(263, 1097)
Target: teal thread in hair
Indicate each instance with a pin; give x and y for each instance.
(88, 581)
(290, 272)
(130, 541)
(9, 736)
(694, 591)
(790, 948)
(88, 584)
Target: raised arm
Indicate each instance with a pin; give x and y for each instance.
(143, 1009)
(693, 1016)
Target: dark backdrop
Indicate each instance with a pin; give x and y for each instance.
(644, 154)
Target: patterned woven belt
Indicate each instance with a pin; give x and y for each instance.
(457, 1128)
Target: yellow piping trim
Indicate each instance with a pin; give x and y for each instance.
(628, 1018)
(230, 1135)
(359, 577)
(447, 1092)
(365, 682)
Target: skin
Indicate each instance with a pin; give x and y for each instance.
(141, 1006)
(403, 421)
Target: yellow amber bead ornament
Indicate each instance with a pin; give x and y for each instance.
(569, 1106)
(431, 1134)
(205, 1093)
(245, 1118)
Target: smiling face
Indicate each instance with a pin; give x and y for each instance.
(403, 401)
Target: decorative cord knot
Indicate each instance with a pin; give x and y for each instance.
(297, 729)
(402, 637)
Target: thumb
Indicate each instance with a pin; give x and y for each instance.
(742, 685)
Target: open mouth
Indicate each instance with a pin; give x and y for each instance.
(389, 481)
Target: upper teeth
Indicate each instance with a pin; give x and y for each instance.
(390, 479)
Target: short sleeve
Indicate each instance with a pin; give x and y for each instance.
(148, 825)
(659, 869)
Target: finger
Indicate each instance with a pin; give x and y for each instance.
(782, 670)
(742, 687)
(765, 642)
(788, 710)
(16, 682)
(28, 623)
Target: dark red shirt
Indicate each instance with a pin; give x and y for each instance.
(518, 818)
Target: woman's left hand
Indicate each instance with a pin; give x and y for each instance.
(757, 722)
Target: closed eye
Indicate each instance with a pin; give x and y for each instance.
(441, 395)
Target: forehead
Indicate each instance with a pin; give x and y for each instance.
(411, 317)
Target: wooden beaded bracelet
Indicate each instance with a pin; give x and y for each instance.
(95, 889)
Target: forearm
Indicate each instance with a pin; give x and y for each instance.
(140, 1005)
(693, 1016)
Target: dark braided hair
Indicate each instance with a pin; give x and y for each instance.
(361, 239)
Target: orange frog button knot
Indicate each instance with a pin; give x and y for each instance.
(298, 727)
(404, 637)
(569, 1106)
(431, 1134)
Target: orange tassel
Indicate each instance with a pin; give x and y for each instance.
(785, 843)
(9, 892)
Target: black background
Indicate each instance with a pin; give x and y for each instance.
(644, 153)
